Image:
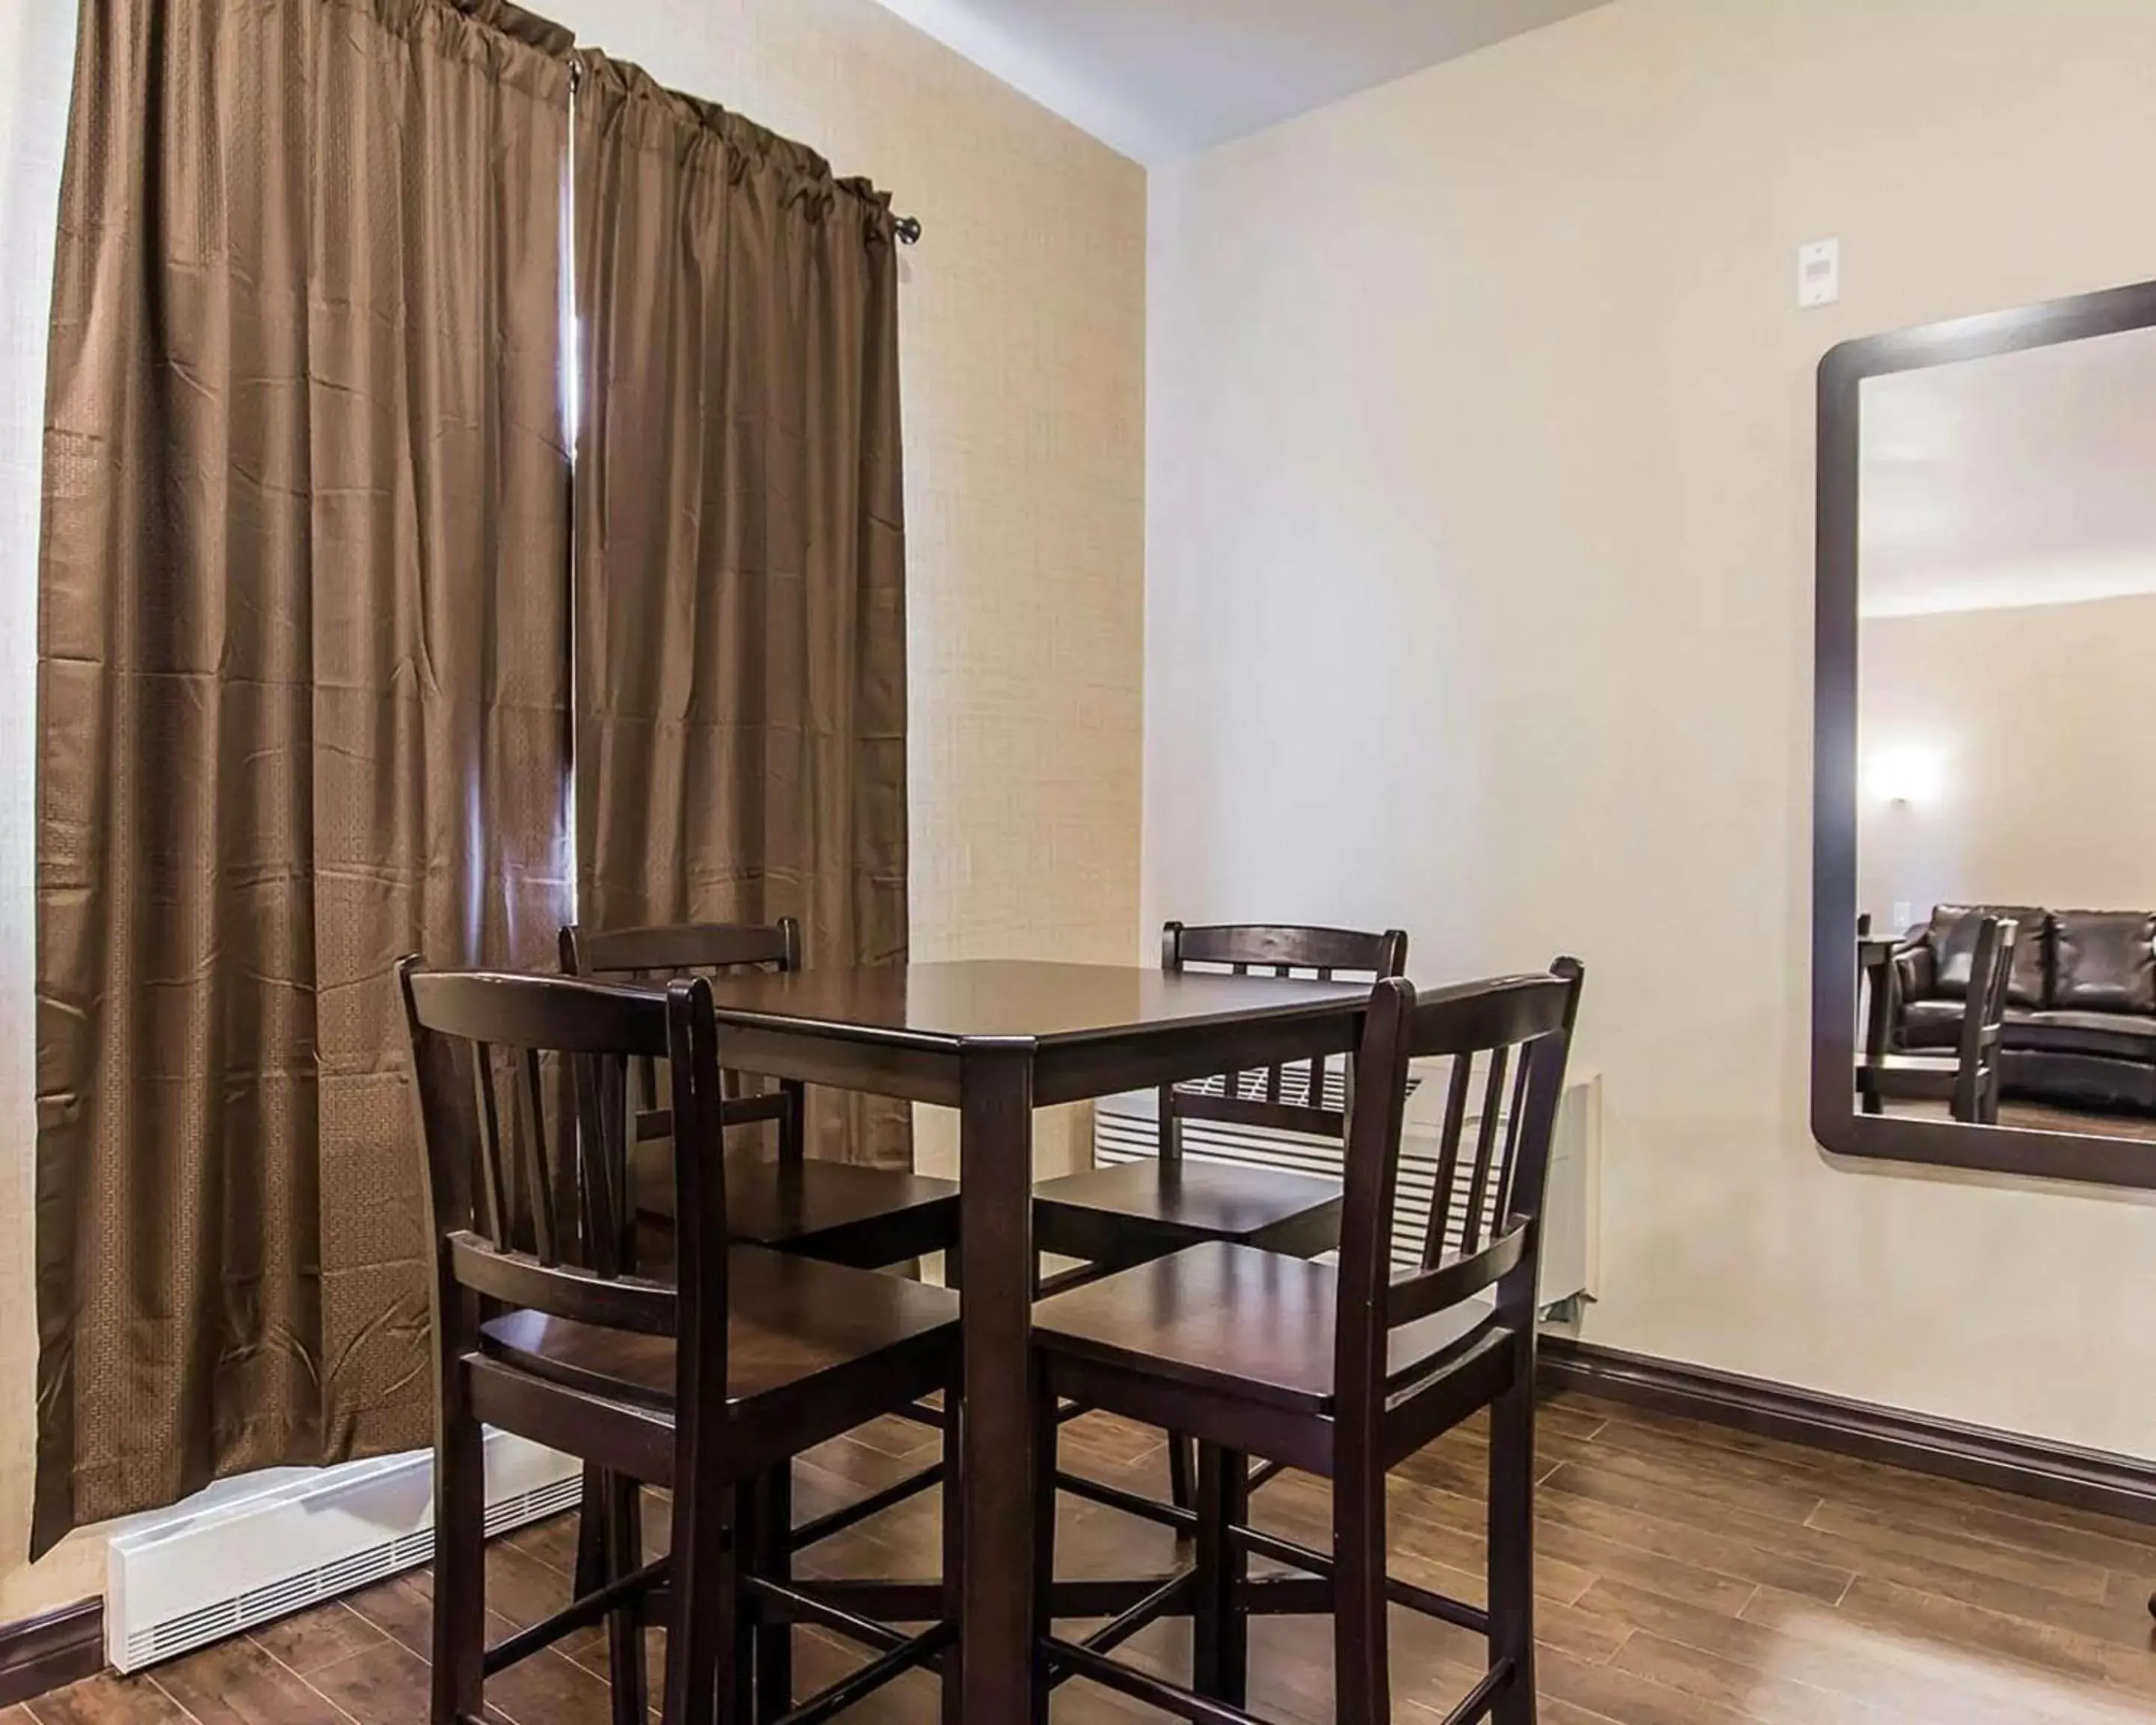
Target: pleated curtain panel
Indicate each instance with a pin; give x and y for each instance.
(325, 675)
(741, 558)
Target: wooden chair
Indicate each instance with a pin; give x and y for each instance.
(1344, 1372)
(1116, 1217)
(1968, 1080)
(868, 1217)
(701, 1385)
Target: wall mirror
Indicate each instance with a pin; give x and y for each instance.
(1985, 818)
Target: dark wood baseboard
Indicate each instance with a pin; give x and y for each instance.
(2056, 1473)
(41, 1654)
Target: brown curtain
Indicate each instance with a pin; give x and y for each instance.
(303, 674)
(740, 574)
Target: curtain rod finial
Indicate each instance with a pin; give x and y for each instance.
(908, 230)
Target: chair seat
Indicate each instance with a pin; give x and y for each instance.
(790, 1322)
(1910, 1077)
(866, 1217)
(1140, 1209)
(1233, 1318)
(1910, 1065)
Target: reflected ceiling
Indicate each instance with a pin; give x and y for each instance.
(2027, 479)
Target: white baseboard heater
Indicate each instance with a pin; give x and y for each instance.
(252, 1550)
(1125, 1129)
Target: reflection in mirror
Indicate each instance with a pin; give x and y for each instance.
(2006, 739)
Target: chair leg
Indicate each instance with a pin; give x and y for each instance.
(1182, 1472)
(1512, 1544)
(591, 1571)
(748, 1548)
(954, 1546)
(460, 1628)
(1046, 1428)
(1221, 1637)
(621, 1514)
(701, 1682)
(1362, 1679)
(774, 1558)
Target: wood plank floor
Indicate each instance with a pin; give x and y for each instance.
(2044, 1117)
(1687, 1576)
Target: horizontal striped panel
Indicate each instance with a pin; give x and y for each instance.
(1124, 1131)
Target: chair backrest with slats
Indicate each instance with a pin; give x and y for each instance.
(480, 1045)
(1508, 1041)
(1292, 1095)
(1983, 1014)
(670, 949)
(666, 951)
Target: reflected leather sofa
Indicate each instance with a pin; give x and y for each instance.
(2081, 1019)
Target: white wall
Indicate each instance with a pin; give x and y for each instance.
(1479, 588)
(2037, 720)
(37, 62)
(1023, 352)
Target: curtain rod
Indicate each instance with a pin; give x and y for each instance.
(907, 230)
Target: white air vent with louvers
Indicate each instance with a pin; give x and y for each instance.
(250, 1551)
(1125, 1129)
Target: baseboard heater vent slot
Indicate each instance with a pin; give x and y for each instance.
(251, 1551)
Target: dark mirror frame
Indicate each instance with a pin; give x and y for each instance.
(1837, 1123)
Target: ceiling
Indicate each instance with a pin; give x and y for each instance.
(1159, 80)
(2019, 479)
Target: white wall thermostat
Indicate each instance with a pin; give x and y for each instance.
(1818, 273)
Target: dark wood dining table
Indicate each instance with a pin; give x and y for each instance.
(995, 1040)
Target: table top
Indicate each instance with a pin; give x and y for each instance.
(943, 1006)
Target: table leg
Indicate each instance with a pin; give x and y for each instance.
(992, 1683)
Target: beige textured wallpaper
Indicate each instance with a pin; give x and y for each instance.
(1023, 353)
